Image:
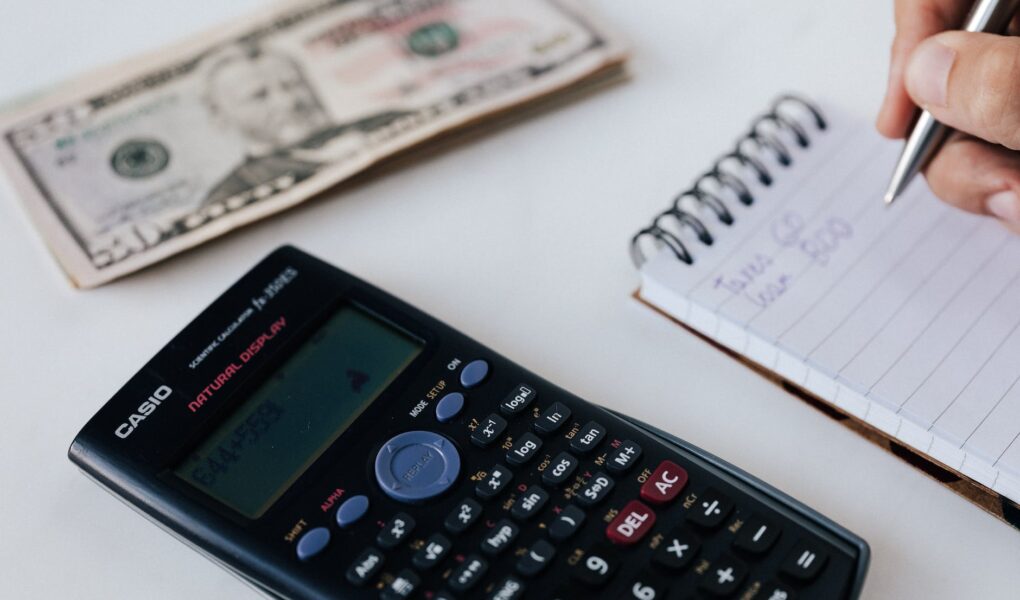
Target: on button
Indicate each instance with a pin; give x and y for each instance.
(474, 373)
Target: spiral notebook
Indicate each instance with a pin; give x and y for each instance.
(902, 321)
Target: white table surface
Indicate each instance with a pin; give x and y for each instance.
(519, 239)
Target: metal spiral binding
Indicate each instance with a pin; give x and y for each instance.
(759, 141)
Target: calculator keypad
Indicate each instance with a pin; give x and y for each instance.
(463, 516)
(489, 431)
(524, 449)
(395, 531)
(560, 470)
(500, 537)
(557, 500)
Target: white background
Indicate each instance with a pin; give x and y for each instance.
(519, 239)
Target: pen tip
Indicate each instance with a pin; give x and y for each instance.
(889, 197)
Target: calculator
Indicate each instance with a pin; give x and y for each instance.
(320, 438)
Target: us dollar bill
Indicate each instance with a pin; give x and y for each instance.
(134, 164)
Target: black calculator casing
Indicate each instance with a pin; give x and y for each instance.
(304, 291)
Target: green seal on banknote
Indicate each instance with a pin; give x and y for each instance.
(433, 39)
(136, 159)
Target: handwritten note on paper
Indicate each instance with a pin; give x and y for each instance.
(914, 308)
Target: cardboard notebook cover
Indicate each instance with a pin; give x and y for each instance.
(998, 505)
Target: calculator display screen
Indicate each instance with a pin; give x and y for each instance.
(300, 410)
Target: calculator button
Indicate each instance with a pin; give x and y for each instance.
(488, 431)
(566, 523)
(596, 490)
(677, 550)
(509, 588)
(710, 510)
(524, 449)
(313, 542)
(529, 503)
(631, 524)
(756, 535)
(500, 537)
(536, 558)
(351, 511)
(560, 469)
(495, 482)
(402, 586)
(665, 483)
(724, 576)
(474, 373)
(775, 591)
(588, 437)
(463, 516)
(432, 553)
(597, 566)
(518, 399)
(646, 586)
(449, 406)
(365, 567)
(804, 561)
(552, 419)
(623, 457)
(416, 465)
(396, 530)
(468, 574)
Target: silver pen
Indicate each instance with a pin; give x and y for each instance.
(990, 16)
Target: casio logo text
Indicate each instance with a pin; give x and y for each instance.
(144, 410)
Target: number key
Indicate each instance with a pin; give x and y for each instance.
(597, 566)
(647, 587)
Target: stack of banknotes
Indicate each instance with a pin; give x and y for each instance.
(135, 163)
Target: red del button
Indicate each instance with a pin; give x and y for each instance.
(665, 483)
(633, 522)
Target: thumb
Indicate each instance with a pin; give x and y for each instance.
(971, 82)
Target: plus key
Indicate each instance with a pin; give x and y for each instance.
(665, 483)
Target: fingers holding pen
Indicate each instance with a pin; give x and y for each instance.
(978, 177)
(970, 82)
(916, 20)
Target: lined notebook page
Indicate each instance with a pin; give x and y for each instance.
(907, 317)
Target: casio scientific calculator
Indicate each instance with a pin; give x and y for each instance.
(322, 439)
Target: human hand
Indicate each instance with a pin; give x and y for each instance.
(970, 82)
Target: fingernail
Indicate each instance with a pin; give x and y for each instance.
(1006, 206)
(928, 73)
